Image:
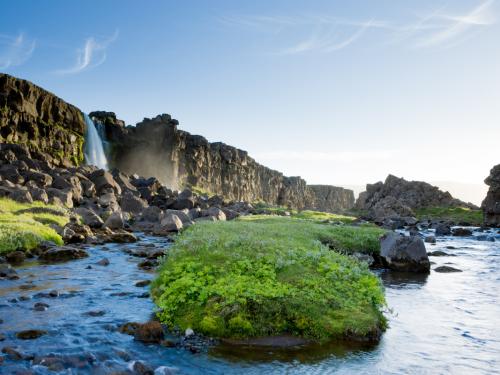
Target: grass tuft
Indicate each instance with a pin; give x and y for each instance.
(23, 226)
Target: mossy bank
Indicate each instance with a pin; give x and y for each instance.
(268, 276)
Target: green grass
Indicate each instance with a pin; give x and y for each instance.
(264, 275)
(23, 226)
(455, 214)
(323, 216)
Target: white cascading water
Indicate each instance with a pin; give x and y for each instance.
(94, 150)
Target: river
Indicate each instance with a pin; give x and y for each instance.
(439, 324)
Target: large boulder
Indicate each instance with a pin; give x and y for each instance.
(491, 204)
(132, 204)
(169, 223)
(115, 221)
(89, 217)
(403, 253)
(104, 182)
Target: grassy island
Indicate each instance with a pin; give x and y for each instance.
(24, 225)
(266, 276)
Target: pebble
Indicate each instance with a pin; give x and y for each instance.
(40, 306)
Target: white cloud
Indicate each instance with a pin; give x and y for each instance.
(92, 54)
(15, 50)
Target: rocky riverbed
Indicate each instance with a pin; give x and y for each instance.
(72, 317)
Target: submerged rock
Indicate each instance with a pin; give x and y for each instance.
(461, 232)
(30, 334)
(404, 253)
(63, 253)
(446, 269)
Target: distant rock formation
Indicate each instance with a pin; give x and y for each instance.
(329, 198)
(397, 197)
(46, 124)
(155, 147)
(491, 204)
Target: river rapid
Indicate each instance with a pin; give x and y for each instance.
(439, 323)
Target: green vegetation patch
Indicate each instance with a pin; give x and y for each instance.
(323, 216)
(265, 276)
(454, 214)
(23, 226)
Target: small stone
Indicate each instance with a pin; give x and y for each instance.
(430, 239)
(2, 337)
(150, 332)
(446, 269)
(40, 306)
(54, 293)
(103, 262)
(140, 368)
(129, 328)
(12, 353)
(142, 283)
(95, 313)
(16, 257)
(439, 253)
(30, 334)
(189, 332)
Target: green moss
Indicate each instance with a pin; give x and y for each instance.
(263, 275)
(24, 226)
(454, 214)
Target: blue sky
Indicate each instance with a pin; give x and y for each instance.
(337, 92)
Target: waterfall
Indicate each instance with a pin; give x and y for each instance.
(94, 150)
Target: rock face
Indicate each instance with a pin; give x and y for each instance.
(40, 120)
(406, 254)
(53, 130)
(491, 204)
(331, 198)
(397, 197)
(155, 147)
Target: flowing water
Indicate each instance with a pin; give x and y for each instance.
(439, 324)
(93, 148)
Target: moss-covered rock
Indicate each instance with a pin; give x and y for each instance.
(40, 120)
(268, 276)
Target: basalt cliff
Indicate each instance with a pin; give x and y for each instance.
(54, 130)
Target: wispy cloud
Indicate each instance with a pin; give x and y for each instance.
(341, 156)
(456, 26)
(92, 54)
(329, 33)
(15, 50)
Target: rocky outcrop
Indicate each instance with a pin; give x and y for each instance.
(397, 197)
(401, 253)
(156, 147)
(491, 204)
(46, 124)
(329, 198)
